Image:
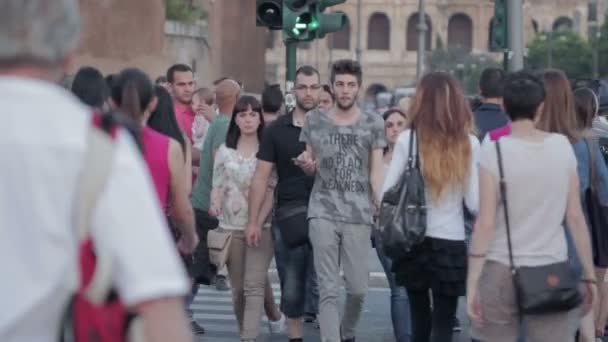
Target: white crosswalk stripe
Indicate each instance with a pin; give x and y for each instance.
(213, 310)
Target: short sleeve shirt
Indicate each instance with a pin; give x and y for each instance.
(280, 145)
(537, 175)
(214, 138)
(342, 188)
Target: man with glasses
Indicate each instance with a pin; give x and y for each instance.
(279, 148)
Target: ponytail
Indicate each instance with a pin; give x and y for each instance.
(132, 92)
(131, 105)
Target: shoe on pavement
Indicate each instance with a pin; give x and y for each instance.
(277, 327)
(196, 328)
(221, 283)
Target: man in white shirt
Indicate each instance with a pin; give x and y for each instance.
(43, 141)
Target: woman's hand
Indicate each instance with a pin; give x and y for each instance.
(474, 308)
(253, 233)
(187, 244)
(589, 293)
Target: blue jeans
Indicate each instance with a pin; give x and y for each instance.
(292, 266)
(312, 289)
(400, 306)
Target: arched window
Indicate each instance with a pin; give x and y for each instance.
(562, 24)
(460, 32)
(379, 32)
(412, 32)
(340, 40)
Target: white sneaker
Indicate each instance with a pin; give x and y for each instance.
(277, 327)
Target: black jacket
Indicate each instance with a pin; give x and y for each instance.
(488, 117)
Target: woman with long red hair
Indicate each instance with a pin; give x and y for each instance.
(442, 124)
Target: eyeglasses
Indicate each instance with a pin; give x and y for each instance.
(314, 87)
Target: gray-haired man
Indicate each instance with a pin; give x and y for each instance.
(44, 138)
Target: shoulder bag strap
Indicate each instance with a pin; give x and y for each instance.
(410, 153)
(98, 162)
(503, 199)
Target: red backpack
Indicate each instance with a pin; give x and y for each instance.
(95, 312)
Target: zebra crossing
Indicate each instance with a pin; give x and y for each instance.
(213, 310)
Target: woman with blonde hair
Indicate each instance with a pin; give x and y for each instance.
(441, 122)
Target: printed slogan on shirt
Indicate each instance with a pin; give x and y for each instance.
(344, 166)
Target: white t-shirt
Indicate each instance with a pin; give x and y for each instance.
(537, 175)
(445, 217)
(42, 137)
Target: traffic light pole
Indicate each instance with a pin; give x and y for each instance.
(291, 47)
(515, 36)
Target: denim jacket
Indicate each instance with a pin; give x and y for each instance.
(582, 157)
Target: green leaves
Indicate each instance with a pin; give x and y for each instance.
(184, 11)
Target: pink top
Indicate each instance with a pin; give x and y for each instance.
(500, 132)
(156, 155)
(185, 118)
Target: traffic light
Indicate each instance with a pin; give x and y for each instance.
(304, 20)
(269, 13)
(498, 34)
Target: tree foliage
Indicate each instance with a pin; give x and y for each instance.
(184, 11)
(466, 67)
(562, 50)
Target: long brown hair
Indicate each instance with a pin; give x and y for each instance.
(558, 114)
(442, 119)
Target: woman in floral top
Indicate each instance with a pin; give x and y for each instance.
(250, 254)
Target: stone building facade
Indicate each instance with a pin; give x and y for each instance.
(119, 34)
(388, 34)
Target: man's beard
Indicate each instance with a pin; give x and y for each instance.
(346, 106)
(304, 108)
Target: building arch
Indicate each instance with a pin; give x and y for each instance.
(563, 24)
(379, 32)
(412, 33)
(460, 32)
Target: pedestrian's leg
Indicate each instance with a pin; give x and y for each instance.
(294, 289)
(444, 311)
(420, 307)
(270, 307)
(400, 305)
(236, 272)
(280, 254)
(325, 239)
(257, 261)
(354, 252)
(312, 290)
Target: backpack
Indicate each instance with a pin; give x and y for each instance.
(95, 312)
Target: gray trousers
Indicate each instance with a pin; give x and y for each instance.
(336, 243)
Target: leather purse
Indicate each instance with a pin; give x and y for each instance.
(218, 243)
(540, 289)
(403, 210)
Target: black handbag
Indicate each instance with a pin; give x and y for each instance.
(292, 220)
(403, 209)
(539, 289)
(598, 214)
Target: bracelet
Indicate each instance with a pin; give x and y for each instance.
(473, 255)
(589, 281)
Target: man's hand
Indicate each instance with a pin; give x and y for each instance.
(215, 210)
(306, 163)
(187, 244)
(253, 233)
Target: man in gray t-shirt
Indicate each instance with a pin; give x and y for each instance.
(344, 150)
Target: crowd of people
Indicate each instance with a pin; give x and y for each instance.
(207, 185)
